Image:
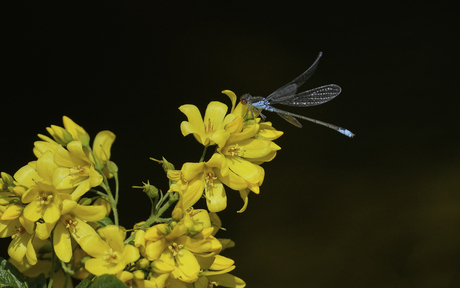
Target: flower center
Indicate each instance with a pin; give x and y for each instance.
(44, 199)
(71, 224)
(175, 249)
(19, 231)
(111, 256)
(235, 150)
(208, 127)
(209, 179)
(77, 171)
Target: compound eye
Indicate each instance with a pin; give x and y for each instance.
(242, 101)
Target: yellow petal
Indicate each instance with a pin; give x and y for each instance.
(232, 97)
(61, 242)
(159, 266)
(215, 113)
(18, 247)
(74, 129)
(188, 267)
(94, 245)
(193, 192)
(12, 212)
(227, 280)
(102, 145)
(247, 133)
(130, 253)
(216, 199)
(65, 158)
(221, 263)
(98, 266)
(67, 203)
(244, 195)
(90, 213)
(194, 118)
(114, 236)
(191, 170)
(154, 249)
(26, 176)
(245, 169)
(43, 230)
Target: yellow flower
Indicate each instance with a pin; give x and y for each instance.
(76, 163)
(24, 245)
(101, 149)
(110, 254)
(194, 177)
(208, 130)
(73, 224)
(180, 249)
(42, 199)
(75, 170)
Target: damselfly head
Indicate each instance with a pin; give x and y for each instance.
(245, 98)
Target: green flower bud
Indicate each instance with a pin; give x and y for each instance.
(112, 167)
(85, 201)
(164, 163)
(7, 179)
(150, 190)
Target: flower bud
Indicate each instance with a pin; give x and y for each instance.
(60, 135)
(19, 190)
(7, 179)
(85, 201)
(150, 190)
(138, 275)
(143, 263)
(177, 213)
(112, 167)
(165, 164)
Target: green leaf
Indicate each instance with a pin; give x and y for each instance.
(103, 281)
(10, 275)
(104, 222)
(85, 283)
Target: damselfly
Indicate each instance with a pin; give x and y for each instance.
(286, 95)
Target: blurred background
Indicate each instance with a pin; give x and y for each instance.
(379, 210)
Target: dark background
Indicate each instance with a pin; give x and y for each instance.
(379, 210)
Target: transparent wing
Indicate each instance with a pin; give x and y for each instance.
(311, 97)
(290, 89)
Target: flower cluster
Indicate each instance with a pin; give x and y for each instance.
(57, 207)
(242, 145)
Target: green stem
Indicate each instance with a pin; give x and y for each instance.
(204, 153)
(53, 262)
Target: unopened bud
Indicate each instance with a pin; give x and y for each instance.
(143, 263)
(112, 167)
(85, 201)
(60, 135)
(150, 190)
(165, 164)
(7, 179)
(138, 275)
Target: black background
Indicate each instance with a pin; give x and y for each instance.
(379, 210)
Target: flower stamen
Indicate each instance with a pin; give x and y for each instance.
(77, 171)
(236, 150)
(111, 255)
(175, 249)
(19, 231)
(44, 199)
(208, 127)
(209, 178)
